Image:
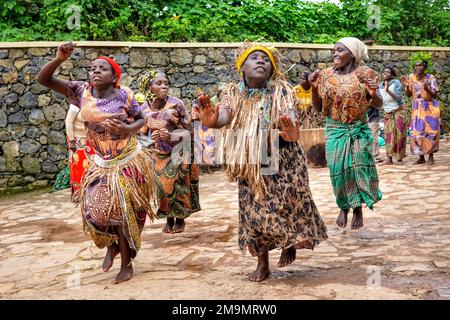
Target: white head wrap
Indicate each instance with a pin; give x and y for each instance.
(357, 48)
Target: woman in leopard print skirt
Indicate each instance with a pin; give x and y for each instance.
(276, 209)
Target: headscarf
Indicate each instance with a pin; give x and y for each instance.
(115, 67)
(244, 51)
(357, 48)
(146, 80)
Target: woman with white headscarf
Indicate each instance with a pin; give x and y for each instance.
(343, 93)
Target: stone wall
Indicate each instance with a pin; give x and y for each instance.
(32, 135)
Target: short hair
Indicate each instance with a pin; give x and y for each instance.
(394, 73)
(305, 74)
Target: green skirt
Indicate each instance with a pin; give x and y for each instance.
(353, 172)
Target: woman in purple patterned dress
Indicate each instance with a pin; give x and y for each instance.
(119, 185)
(425, 115)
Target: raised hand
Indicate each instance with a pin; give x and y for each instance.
(313, 79)
(208, 115)
(195, 112)
(405, 82)
(65, 50)
(289, 132)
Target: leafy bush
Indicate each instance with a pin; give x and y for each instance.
(401, 22)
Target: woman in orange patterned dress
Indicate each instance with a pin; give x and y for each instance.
(343, 93)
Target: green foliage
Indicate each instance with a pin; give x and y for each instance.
(421, 56)
(400, 22)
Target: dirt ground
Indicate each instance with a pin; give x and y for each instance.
(403, 251)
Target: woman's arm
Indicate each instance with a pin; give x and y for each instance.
(431, 87)
(70, 119)
(117, 127)
(316, 99)
(214, 117)
(45, 76)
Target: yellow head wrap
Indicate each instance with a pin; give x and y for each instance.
(146, 80)
(244, 55)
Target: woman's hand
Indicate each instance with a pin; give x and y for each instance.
(371, 86)
(164, 135)
(161, 135)
(195, 112)
(72, 145)
(406, 82)
(65, 50)
(117, 127)
(386, 86)
(289, 132)
(313, 79)
(208, 116)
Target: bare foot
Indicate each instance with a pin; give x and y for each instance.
(399, 162)
(169, 225)
(113, 250)
(430, 161)
(387, 162)
(341, 220)
(262, 270)
(357, 221)
(287, 257)
(420, 161)
(125, 274)
(179, 226)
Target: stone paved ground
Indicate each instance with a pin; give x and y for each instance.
(403, 252)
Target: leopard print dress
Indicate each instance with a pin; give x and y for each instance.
(285, 215)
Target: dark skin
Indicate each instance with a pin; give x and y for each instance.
(160, 88)
(257, 69)
(428, 94)
(304, 82)
(388, 76)
(102, 77)
(344, 63)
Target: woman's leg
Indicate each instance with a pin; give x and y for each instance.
(420, 160)
(431, 159)
(262, 269)
(169, 225)
(111, 253)
(126, 268)
(287, 256)
(387, 162)
(357, 220)
(179, 226)
(341, 220)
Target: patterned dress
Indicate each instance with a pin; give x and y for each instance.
(395, 125)
(179, 181)
(285, 214)
(349, 143)
(119, 186)
(308, 118)
(425, 116)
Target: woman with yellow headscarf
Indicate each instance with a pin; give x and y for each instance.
(260, 150)
(168, 126)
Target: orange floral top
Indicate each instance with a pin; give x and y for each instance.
(345, 97)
